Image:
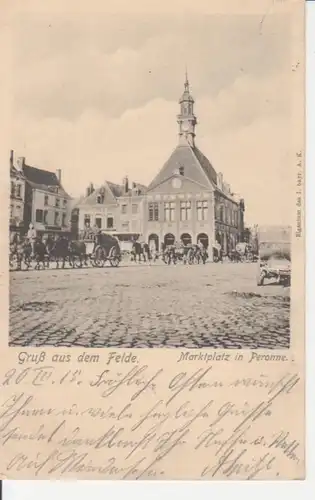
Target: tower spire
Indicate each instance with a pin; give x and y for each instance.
(186, 79)
(186, 118)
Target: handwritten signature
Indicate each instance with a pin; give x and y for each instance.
(158, 421)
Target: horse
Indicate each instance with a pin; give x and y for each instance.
(60, 251)
(217, 254)
(137, 251)
(201, 255)
(191, 254)
(21, 251)
(170, 255)
(179, 250)
(40, 254)
(78, 249)
(185, 254)
(146, 252)
(49, 243)
(235, 256)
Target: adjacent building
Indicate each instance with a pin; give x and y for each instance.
(188, 200)
(39, 197)
(17, 196)
(112, 208)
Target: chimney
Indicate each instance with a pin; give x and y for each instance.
(87, 192)
(126, 185)
(91, 188)
(220, 180)
(20, 163)
(58, 174)
(134, 185)
(11, 157)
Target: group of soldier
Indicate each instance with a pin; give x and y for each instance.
(170, 254)
(31, 239)
(141, 251)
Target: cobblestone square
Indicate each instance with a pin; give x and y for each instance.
(136, 305)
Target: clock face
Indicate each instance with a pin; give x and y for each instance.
(176, 183)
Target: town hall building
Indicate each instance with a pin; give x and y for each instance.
(187, 200)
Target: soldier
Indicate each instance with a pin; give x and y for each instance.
(31, 235)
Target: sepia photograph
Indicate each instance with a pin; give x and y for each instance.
(150, 201)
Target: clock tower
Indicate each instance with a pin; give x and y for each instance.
(186, 119)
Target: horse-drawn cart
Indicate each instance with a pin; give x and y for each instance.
(102, 249)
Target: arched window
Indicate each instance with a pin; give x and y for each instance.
(153, 241)
(186, 239)
(203, 238)
(169, 239)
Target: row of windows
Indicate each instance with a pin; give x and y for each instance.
(227, 214)
(42, 216)
(185, 211)
(98, 222)
(57, 202)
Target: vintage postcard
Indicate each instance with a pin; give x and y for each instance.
(152, 250)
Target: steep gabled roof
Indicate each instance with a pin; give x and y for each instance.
(111, 193)
(196, 166)
(116, 189)
(42, 179)
(39, 176)
(206, 165)
(104, 190)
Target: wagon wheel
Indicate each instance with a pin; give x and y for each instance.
(100, 257)
(76, 262)
(26, 263)
(114, 257)
(261, 278)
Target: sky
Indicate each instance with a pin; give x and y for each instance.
(97, 97)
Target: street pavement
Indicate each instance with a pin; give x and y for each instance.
(137, 305)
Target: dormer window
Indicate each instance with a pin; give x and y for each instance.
(100, 198)
(181, 170)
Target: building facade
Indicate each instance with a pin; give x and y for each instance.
(17, 197)
(187, 200)
(45, 202)
(112, 208)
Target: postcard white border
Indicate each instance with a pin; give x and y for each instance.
(27, 490)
